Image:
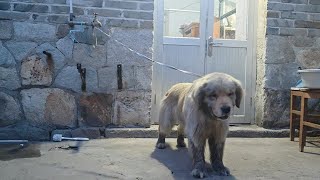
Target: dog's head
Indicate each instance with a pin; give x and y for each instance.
(217, 94)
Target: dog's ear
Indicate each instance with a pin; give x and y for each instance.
(199, 92)
(239, 93)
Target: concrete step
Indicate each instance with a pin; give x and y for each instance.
(248, 131)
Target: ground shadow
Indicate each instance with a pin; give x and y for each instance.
(179, 162)
(17, 151)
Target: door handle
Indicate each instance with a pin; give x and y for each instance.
(209, 46)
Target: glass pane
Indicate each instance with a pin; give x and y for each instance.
(181, 18)
(230, 19)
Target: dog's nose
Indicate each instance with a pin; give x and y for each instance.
(225, 109)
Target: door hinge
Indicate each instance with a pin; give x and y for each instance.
(155, 99)
(251, 101)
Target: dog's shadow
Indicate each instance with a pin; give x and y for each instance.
(179, 162)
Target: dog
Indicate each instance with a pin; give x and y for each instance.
(201, 109)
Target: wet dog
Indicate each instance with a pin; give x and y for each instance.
(201, 109)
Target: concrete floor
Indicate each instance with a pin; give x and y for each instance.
(254, 158)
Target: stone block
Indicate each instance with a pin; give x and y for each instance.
(36, 70)
(138, 15)
(10, 112)
(137, 39)
(106, 12)
(11, 15)
(65, 45)
(146, 24)
(87, 3)
(293, 32)
(272, 31)
(6, 59)
(132, 108)
(121, 5)
(314, 17)
(279, 50)
(279, 23)
(34, 32)
(32, 133)
(69, 78)
(309, 58)
(4, 6)
(63, 30)
(9, 78)
(295, 1)
(307, 24)
(24, 131)
(144, 77)
(90, 56)
(20, 50)
(294, 15)
(313, 32)
(281, 76)
(124, 23)
(91, 133)
(39, 18)
(58, 58)
(108, 78)
(314, 2)
(59, 19)
(280, 6)
(49, 107)
(66, 9)
(8, 133)
(300, 41)
(146, 6)
(277, 104)
(273, 14)
(307, 8)
(31, 8)
(95, 110)
(6, 29)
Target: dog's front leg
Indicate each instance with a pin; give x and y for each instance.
(216, 156)
(197, 152)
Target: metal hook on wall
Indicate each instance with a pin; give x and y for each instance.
(82, 72)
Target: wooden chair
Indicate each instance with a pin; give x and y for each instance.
(305, 118)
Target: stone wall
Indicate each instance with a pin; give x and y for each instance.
(41, 93)
(292, 40)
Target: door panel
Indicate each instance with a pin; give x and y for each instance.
(227, 47)
(182, 45)
(184, 57)
(230, 60)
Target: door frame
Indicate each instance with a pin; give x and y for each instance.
(160, 40)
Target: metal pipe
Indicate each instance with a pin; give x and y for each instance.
(72, 23)
(71, 16)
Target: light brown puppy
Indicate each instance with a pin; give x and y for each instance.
(201, 109)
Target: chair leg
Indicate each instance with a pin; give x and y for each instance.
(291, 119)
(302, 130)
(301, 138)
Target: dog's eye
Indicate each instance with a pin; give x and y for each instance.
(231, 94)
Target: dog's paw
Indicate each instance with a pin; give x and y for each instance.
(199, 173)
(221, 170)
(181, 144)
(161, 145)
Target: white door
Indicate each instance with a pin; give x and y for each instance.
(181, 39)
(228, 48)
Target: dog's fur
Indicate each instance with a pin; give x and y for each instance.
(201, 109)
